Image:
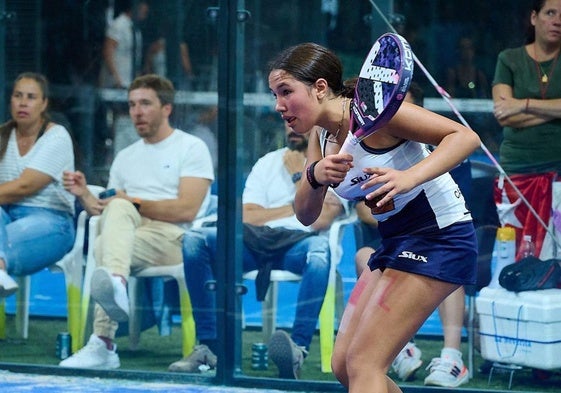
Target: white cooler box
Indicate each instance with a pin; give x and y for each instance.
(520, 328)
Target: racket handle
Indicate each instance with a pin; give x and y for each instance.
(350, 144)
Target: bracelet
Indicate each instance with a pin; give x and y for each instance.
(310, 176)
(527, 105)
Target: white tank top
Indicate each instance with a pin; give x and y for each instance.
(437, 202)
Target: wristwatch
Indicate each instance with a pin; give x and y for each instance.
(296, 177)
(136, 203)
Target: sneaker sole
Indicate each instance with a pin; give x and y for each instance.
(410, 375)
(103, 293)
(280, 352)
(457, 382)
(112, 366)
(183, 368)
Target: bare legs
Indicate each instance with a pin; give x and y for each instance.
(383, 315)
(451, 312)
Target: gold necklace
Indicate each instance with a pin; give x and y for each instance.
(542, 75)
(333, 138)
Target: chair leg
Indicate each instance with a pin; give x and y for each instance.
(188, 329)
(73, 279)
(22, 306)
(135, 313)
(2, 319)
(85, 312)
(269, 311)
(85, 308)
(327, 328)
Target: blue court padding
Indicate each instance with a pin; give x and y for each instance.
(48, 294)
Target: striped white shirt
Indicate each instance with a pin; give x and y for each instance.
(52, 154)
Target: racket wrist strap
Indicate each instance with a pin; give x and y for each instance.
(311, 177)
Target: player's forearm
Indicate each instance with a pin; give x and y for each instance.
(328, 214)
(308, 202)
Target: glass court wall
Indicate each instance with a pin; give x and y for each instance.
(223, 97)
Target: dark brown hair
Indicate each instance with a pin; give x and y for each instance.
(162, 86)
(537, 6)
(7, 127)
(309, 62)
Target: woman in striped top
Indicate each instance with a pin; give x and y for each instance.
(36, 212)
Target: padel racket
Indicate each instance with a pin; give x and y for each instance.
(382, 84)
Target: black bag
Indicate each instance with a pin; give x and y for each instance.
(269, 244)
(530, 274)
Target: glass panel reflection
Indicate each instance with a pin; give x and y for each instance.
(179, 40)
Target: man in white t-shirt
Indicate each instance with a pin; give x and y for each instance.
(268, 199)
(278, 239)
(162, 184)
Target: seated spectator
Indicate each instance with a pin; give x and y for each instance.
(37, 223)
(275, 239)
(162, 184)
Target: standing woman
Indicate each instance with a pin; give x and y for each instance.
(428, 241)
(527, 95)
(36, 225)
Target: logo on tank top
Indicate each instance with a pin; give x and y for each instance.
(413, 256)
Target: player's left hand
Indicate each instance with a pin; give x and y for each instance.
(393, 182)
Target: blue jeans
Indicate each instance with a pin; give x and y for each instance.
(32, 238)
(197, 263)
(309, 257)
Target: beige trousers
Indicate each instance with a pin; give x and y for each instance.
(128, 242)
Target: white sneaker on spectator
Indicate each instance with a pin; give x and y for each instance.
(110, 293)
(8, 285)
(407, 362)
(448, 370)
(94, 355)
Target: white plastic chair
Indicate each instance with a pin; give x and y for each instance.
(328, 309)
(71, 265)
(175, 272)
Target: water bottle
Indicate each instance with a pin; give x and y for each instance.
(506, 253)
(527, 248)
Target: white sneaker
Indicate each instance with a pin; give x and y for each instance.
(94, 355)
(407, 362)
(111, 294)
(447, 372)
(8, 285)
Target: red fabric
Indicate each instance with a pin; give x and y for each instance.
(537, 189)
